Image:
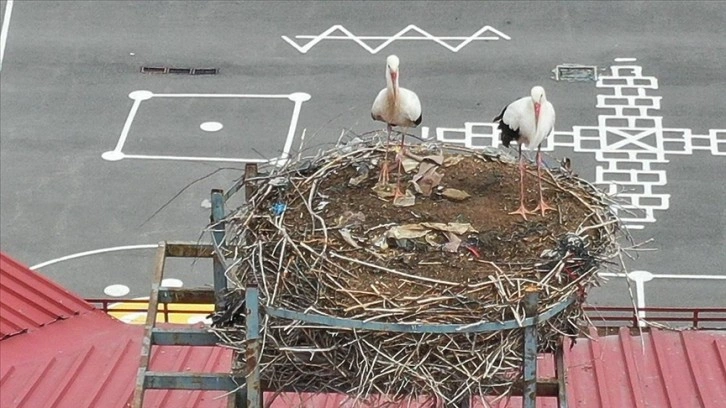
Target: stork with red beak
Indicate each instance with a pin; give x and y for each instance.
(528, 120)
(395, 106)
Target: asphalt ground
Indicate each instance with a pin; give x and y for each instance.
(69, 66)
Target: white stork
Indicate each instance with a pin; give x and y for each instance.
(395, 106)
(528, 120)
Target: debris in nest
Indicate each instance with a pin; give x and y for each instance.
(427, 179)
(453, 244)
(406, 200)
(363, 171)
(345, 250)
(350, 219)
(454, 194)
(345, 233)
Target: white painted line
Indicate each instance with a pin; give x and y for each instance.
(191, 158)
(190, 95)
(4, 30)
(298, 98)
(380, 37)
(703, 277)
(116, 154)
(634, 227)
(399, 36)
(667, 276)
(625, 59)
(94, 252)
(640, 277)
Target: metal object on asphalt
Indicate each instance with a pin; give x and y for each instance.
(172, 70)
(575, 72)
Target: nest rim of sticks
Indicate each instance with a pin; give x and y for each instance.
(292, 240)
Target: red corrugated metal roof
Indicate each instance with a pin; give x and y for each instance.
(90, 359)
(659, 369)
(28, 300)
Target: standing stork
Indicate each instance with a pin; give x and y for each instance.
(528, 120)
(395, 106)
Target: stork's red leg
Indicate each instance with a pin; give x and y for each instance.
(383, 177)
(399, 159)
(522, 210)
(542, 206)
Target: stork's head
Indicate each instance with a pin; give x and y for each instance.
(392, 68)
(538, 96)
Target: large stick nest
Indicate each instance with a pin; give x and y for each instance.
(319, 237)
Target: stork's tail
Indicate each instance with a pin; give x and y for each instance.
(507, 134)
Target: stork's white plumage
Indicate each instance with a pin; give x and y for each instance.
(395, 106)
(528, 120)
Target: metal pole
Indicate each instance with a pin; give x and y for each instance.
(220, 281)
(529, 395)
(252, 346)
(250, 172)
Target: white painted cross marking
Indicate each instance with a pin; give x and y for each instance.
(630, 142)
(399, 36)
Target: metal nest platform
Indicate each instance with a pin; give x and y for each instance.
(322, 299)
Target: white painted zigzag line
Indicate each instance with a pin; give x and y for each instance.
(398, 36)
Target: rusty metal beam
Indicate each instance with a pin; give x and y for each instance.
(561, 375)
(197, 296)
(192, 381)
(250, 172)
(149, 325)
(182, 337)
(189, 250)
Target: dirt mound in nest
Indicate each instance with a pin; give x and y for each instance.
(448, 236)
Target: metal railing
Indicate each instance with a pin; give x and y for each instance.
(698, 317)
(599, 315)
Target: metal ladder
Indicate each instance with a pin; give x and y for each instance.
(187, 336)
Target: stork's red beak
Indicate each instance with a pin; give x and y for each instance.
(536, 111)
(394, 76)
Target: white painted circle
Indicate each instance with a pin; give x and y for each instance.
(172, 283)
(211, 126)
(642, 276)
(112, 156)
(116, 290)
(141, 95)
(299, 97)
(197, 319)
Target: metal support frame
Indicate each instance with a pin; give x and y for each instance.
(529, 394)
(218, 236)
(252, 346)
(530, 387)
